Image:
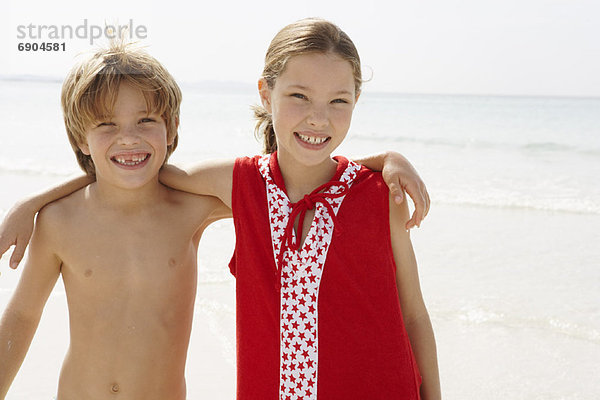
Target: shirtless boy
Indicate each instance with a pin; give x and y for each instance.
(125, 245)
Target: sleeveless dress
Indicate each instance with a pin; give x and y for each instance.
(321, 320)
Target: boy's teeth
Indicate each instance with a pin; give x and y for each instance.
(132, 160)
(312, 139)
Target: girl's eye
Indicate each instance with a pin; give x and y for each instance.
(146, 120)
(105, 124)
(341, 101)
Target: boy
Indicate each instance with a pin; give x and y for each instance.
(125, 245)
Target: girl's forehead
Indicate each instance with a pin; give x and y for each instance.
(318, 69)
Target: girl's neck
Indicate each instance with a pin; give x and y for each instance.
(301, 179)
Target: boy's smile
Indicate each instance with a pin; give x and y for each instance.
(128, 147)
(131, 160)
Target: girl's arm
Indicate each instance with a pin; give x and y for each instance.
(22, 314)
(208, 178)
(414, 312)
(399, 174)
(212, 178)
(17, 226)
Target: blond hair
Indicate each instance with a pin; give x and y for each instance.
(311, 35)
(90, 90)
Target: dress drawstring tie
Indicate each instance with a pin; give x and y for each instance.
(308, 202)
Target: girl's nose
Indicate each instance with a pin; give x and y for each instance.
(318, 116)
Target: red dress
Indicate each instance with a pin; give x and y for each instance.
(322, 321)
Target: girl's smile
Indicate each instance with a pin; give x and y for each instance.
(311, 104)
(312, 140)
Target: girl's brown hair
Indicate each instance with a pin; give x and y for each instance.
(309, 35)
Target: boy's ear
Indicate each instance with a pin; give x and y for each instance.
(171, 140)
(85, 149)
(265, 94)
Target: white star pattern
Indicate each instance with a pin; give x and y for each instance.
(300, 279)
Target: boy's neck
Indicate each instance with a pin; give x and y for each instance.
(301, 180)
(125, 199)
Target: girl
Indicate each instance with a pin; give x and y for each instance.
(328, 297)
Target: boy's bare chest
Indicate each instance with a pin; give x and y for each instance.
(129, 251)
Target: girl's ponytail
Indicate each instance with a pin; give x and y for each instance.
(264, 129)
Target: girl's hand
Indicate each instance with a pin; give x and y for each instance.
(398, 173)
(16, 229)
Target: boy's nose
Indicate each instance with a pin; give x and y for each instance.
(128, 136)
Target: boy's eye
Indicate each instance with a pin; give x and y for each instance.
(298, 95)
(105, 124)
(146, 120)
(342, 101)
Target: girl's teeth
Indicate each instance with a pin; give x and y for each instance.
(312, 139)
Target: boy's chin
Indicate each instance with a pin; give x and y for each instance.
(132, 182)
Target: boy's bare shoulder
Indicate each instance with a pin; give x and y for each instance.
(55, 219)
(200, 207)
(64, 208)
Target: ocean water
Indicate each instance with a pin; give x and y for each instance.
(535, 153)
(509, 256)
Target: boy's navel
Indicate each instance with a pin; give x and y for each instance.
(115, 388)
(172, 263)
(88, 273)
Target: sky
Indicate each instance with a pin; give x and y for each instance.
(507, 47)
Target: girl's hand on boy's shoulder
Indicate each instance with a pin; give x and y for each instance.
(399, 174)
(16, 230)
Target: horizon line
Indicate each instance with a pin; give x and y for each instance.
(229, 85)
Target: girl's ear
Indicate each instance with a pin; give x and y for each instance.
(265, 94)
(356, 99)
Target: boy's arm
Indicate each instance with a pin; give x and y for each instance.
(22, 314)
(399, 174)
(17, 226)
(416, 318)
(212, 178)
